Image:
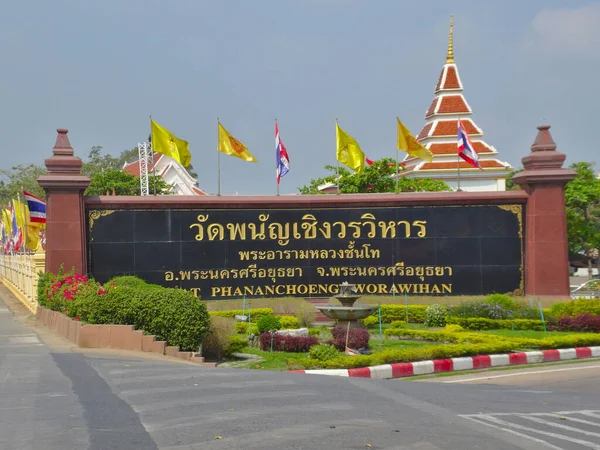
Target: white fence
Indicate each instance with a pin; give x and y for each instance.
(20, 272)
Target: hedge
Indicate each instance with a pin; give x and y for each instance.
(172, 315)
(479, 323)
(576, 307)
(389, 313)
(489, 345)
(255, 314)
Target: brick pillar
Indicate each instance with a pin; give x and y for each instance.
(546, 253)
(64, 186)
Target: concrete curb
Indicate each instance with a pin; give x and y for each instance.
(400, 370)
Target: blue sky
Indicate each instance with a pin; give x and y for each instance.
(100, 68)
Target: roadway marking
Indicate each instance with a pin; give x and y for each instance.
(534, 372)
(494, 421)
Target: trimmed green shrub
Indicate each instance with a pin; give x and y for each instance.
(480, 323)
(370, 321)
(503, 300)
(314, 331)
(236, 344)
(241, 327)
(398, 324)
(576, 307)
(126, 280)
(461, 344)
(288, 322)
(268, 323)
(257, 313)
(323, 352)
(435, 316)
(451, 328)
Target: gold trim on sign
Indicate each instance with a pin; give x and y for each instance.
(95, 214)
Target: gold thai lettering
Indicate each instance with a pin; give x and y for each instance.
(258, 231)
(342, 233)
(214, 231)
(280, 233)
(309, 227)
(398, 270)
(235, 230)
(201, 218)
(369, 222)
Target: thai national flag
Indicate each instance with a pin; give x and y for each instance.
(37, 208)
(465, 147)
(17, 238)
(281, 156)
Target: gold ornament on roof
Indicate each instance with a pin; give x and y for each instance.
(450, 54)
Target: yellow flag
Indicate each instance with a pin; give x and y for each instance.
(32, 236)
(408, 144)
(21, 219)
(348, 151)
(165, 142)
(232, 147)
(7, 221)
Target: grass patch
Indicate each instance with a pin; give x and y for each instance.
(272, 360)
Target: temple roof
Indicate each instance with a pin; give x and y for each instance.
(439, 133)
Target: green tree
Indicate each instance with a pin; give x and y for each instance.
(117, 182)
(510, 184)
(98, 162)
(372, 179)
(582, 197)
(18, 179)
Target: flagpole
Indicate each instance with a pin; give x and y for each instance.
(218, 162)
(153, 165)
(338, 162)
(278, 168)
(458, 160)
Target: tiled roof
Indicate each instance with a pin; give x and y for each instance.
(451, 81)
(450, 128)
(449, 148)
(486, 164)
(425, 131)
(199, 191)
(431, 109)
(453, 104)
(437, 86)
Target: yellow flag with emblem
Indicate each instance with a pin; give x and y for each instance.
(165, 142)
(348, 151)
(407, 143)
(232, 147)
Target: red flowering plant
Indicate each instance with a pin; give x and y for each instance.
(64, 292)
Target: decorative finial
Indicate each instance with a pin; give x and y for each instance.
(450, 55)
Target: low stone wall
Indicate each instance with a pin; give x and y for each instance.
(118, 337)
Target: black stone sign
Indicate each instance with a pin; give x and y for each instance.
(224, 253)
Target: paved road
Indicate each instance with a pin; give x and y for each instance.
(54, 397)
(583, 377)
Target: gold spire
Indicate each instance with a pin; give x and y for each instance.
(450, 54)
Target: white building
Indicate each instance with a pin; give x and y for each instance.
(171, 172)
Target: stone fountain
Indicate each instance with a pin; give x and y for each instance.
(348, 312)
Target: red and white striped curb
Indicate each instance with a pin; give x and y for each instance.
(399, 370)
